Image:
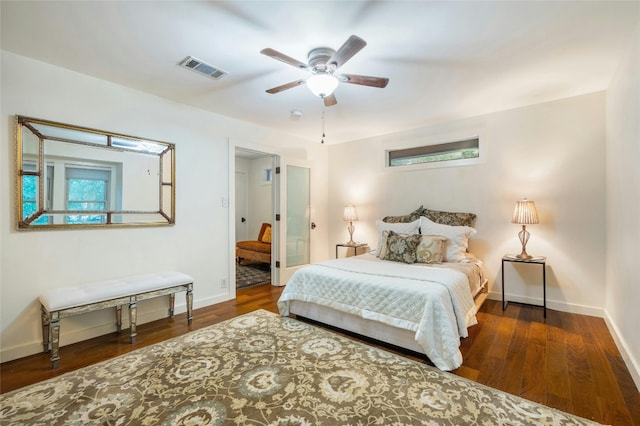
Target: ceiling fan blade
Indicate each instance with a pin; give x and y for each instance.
(353, 45)
(364, 80)
(285, 86)
(330, 100)
(284, 58)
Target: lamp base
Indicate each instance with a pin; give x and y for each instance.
(351, 228)
(523, 235)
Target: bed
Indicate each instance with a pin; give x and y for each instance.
(424, 307)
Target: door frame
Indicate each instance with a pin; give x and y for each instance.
(267, 151)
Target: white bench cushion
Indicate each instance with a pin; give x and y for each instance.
(99, 291)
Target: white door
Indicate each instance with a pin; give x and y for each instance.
(242, 206)
(295, 224)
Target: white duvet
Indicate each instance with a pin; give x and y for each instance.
(434, 302)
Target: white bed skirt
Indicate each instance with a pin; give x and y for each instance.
(366, 327)
(349, 322)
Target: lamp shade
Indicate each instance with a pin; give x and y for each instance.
(350, 213)
(525, 213)
(322, 85)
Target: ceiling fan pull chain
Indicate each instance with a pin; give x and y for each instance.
(323, 135)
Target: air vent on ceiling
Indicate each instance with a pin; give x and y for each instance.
(200, 67)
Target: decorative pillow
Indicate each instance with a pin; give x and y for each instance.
(431, 249)
(457, 238)
(401, 248)
(403, 228)
(449, 218)
(383, 244)
(266, 236)
(414, 215)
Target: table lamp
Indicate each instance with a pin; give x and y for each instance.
(524, 214)
(350, 215)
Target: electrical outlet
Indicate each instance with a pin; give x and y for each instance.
(223, 283)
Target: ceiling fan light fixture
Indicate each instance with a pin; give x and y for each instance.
(323, 63)
(322, 85)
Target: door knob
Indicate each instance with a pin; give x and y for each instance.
(243, 220)
(313, 225)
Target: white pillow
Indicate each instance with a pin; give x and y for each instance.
(401, 228)
(457, 238)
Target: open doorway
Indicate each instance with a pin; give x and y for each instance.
(254, 213)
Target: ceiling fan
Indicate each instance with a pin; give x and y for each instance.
(323, 62)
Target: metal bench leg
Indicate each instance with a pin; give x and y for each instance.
(133, 317)
(119, 318)
(190, 304)
(172, 302)
(54, 327)
(45, 329)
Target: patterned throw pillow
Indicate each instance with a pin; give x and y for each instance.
(414, 215)
(431, 249)
(404, 228)
(449, 218)
(401, 248)
(383, 245)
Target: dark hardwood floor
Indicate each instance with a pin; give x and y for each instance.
(567, 361)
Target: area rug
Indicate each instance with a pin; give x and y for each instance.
(262, 369)
(252, 274)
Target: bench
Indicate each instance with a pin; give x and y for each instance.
(64, 302)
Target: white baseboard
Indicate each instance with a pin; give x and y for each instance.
(632, 364)
(551, 304)
(70, 337)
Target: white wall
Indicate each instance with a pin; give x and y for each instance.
(260, 196)
(623, 206)
(551, 153)
(199, 242)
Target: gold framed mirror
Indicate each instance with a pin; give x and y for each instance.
(75, 177)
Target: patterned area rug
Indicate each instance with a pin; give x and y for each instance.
(251, 274)
(262, 369)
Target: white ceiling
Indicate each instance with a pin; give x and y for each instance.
(445, 60)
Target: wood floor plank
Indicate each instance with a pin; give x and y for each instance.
(557, 375)
(580, 380)
(566, 361)
(516, 359)
(534, 379)
(626, 386)
(606, 387)
(475, 356)
(537, 333)
(491, 371)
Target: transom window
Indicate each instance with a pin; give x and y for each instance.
(458, 150)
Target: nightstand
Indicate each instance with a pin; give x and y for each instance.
(355, 247)
(540, 260)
